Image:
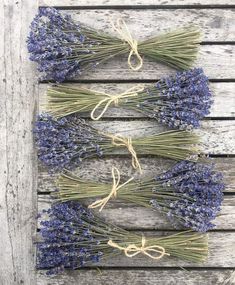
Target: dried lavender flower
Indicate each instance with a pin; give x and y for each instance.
(64, 48)
(179, 101)
(190, 194)
(195, 195)
(66, 142)
(73, 237)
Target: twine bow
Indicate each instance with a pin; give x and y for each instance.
(127, 142)
(121, 28)
(131, 92)
(113, 193)
(132, 250)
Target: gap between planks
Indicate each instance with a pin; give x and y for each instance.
(138, 4)
(141, 276)
(216, 25)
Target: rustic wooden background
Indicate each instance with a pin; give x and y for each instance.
(25, 186)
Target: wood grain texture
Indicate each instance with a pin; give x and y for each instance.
(216, 24)
(141, 277)
(213, 58)
(221, 254)
(125, 215)
(216, 137)
(81, 3)
(18, 105)
(18, 176)
(100, 170)
(222, 92)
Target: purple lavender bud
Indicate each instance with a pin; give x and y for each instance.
(57, 44)
(199, 192)
(66, 142)
(179, 101)
(67, 239)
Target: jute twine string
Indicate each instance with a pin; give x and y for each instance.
(127, 142)
(131, 92)
(121, 28)
(113, 193)
(153, 251)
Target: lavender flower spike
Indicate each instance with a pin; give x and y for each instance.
(50, 43)
(73, 237)
(179, 101)
(197, 195)
(66, 239)
(64, 143)
(64, 48)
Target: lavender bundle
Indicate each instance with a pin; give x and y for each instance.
(64, 48)
(74, 237)
(179, 101)
(189, 194)
(66, 142)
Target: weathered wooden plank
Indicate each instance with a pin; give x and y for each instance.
(140, 277)
(17, 167)
(81, 3)
(221, 254)
(125, 215)
(216, 24)
(213, 59)
(216, 136)
(100, 169)
(223, 106)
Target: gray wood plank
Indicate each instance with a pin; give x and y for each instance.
(223, 106)
(18, 87)
(213, 59)
(216, 137)
(124, 214)
(100, 169)
(221, 254)
(140, 277)
(216, 24)
(18, 164)
(70, 3)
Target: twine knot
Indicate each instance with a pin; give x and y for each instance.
(133, 91)
(127, 142)
(113, 193)
(121, 28)
(132, 250)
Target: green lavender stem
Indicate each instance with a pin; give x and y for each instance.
(177, 49)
